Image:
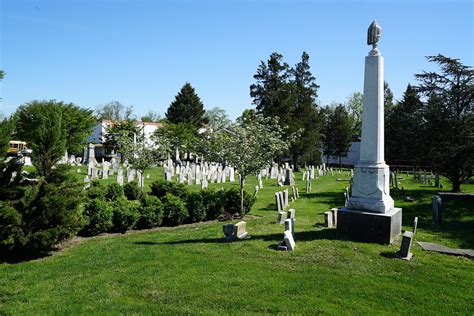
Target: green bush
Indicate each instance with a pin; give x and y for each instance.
(232, 203)
(10, 227)
(125, 215)
(175, 211)
(131, 190)
(99, 213)
(196, 207)
(96, 191)
(161, 188)
(46, 215)
(151, 212)
(213, 203)
(114, 192)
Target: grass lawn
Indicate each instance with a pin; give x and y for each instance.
(188, 269)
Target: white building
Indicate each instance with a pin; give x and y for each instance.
(352, 156)
(100, 131)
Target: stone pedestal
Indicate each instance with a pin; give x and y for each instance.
(368, 226)
(370, 214)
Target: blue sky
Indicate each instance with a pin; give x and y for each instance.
(140, 53)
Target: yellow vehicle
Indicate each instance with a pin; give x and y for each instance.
(16, 147)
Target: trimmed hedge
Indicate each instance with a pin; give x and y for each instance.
(114, 192)
(99, 212)
(151, 212)
(196, 207)
(131, 190)
(161, 188)
(125, 215)
(175, 210)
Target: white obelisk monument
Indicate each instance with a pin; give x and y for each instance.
(370, 213)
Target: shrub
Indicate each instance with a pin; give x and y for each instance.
(46, 215)
(213, 203)
(125, 215)
(232, 203)
(131, 191)
(151, 212)
(99, 212)
(196, 208)
(96, 191)
(114, 192)
(175, 211)
(161, 188)
(10, 226)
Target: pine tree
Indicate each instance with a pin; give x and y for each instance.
(387, 97)
(272, 93)
(402, 130)
(305, 114)
(290, 94)
(187, 108)
(341, 125)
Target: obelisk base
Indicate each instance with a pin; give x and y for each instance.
(371, 227)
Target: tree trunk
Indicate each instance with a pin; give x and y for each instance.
(295, 162)
(456, 185)
(242, 179)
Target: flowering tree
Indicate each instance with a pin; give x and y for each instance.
(252, 143)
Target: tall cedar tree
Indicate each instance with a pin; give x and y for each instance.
(449, 118)
(289, 94)
(327, 131)
(341, 126)
(305, 114)
(387, 97)
(402, 130)
(187, 108)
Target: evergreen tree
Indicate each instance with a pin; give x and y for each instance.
(77, 122)
(354, 106)
(272, 92)
(402, 130)
(327, 131)
(341, 125)
(305, 114)
(57, 127)
(449, 118)
(290, 94)
(187, 108)
(387, 97)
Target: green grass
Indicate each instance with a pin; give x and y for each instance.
(189, 270)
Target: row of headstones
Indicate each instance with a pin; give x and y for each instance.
(424, 177)
(197, 174)
(97, 174)
(282, 198)
(283, 174)
(311, 174)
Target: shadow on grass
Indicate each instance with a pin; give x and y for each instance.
(329, 234)
(389, 254)
(335, 199)
(22, 257)
(269, 207)
(458, 216)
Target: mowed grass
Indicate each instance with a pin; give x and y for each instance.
(188, 269)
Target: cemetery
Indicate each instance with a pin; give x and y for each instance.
(292, 207)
